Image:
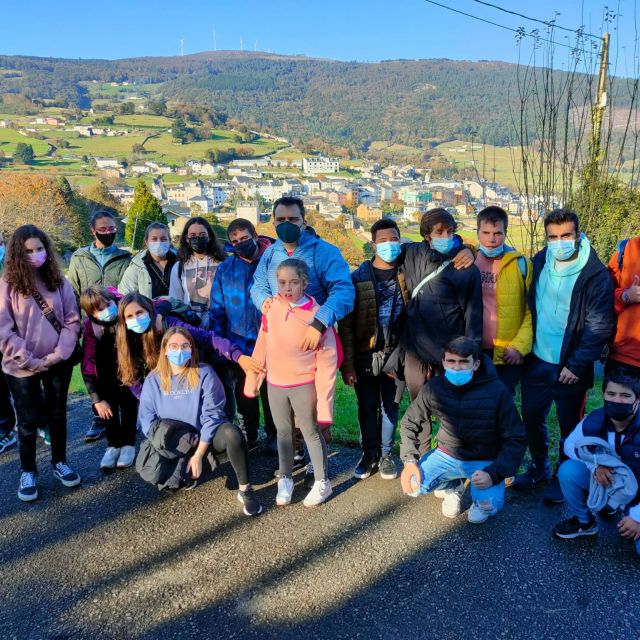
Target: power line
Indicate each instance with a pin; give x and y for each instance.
(519, 32)
(548, 23)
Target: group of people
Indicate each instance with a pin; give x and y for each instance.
(186, 344)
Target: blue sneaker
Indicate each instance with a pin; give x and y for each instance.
(7, 440)
(534, 475)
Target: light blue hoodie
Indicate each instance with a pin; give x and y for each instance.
(553, 301)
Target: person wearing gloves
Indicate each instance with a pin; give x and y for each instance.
(571, 302)
(39, 327)
(180, 388)
(300, 382)
(481, 436)
(617, 423)
(149, 272)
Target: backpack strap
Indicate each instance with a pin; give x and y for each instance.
(621, 247)
(522, 265)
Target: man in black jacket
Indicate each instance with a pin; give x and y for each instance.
(571, 301)
(446, 299)
(481, 436)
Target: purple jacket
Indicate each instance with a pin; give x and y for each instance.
(28, 342)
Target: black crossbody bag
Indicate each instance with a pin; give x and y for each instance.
(48, 313)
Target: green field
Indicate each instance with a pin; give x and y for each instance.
(144, 120)
(9, 138)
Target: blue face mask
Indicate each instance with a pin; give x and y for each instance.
(458, 378)
(388, 251)
(109, 314)
(159, 249)
(139, 324)
(492, 253)
(442, 245)
(562, 249)
(2, 253)
(179, 358)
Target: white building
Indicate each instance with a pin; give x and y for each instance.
(320, 164)
(105, 163)
(248, 212)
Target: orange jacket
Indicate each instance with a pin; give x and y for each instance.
(278, 349)
(626, 343)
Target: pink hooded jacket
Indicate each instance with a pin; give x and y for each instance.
(28, 341)
(278, 348)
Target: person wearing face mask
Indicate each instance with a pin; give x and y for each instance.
(150, 270)
(571, 302)
(102, 263)
(329, 278)
(614, 481)
(481, 436)
(369, 334)
(199, 255)
(39, 327)
(7, 414)
(446, 300)
(110, 399)
(506, 275)
(183, 393)
(233, 316)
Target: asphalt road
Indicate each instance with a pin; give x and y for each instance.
(116, 559)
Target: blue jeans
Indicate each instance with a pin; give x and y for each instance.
(440, 471)
(540, 388)
(574, 481)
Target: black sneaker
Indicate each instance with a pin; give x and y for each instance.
(553, 493)
(252, 443)
(532, 476)
(63, 472)
(573, 528)
(7, 440)
(96, 430)
(297, 465)
(387, 467)
(28, 487)
(251, 505)
(365, 467)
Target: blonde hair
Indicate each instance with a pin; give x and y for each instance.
(191, 372)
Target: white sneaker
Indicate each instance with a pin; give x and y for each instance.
(320, 491)
(285, 491)
(478, 514)
(127, 456)
(452, 503)
(441, 493)
(110, 458)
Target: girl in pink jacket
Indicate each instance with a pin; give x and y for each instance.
(300, 383)
(39, 327)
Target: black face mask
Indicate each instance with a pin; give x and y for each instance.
(246, 249)
(619, 410)
(107, 239)
(288, 232)
(198, 245)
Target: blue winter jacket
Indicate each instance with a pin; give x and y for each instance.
(329, 277)
(232, 315)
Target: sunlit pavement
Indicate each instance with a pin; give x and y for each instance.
(117, 559)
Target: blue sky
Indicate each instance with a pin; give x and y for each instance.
(339, 29)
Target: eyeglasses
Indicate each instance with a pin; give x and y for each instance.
(204, 234)
(106, 230)
(173, 347)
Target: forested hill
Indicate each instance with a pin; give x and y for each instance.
(404, 101)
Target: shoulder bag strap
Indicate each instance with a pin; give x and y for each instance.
(431, 276)
(47, 311)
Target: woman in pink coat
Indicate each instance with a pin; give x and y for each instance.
(39, 327)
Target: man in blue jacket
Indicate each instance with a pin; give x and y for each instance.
(330, 279)
(571, 302)
(232, 316)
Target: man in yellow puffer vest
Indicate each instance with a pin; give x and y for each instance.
(507, 333)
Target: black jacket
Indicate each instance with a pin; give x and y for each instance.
(163, 456)
(478, 421)
(591, 321)
(448, 306)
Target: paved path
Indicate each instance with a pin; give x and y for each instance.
(116, 559)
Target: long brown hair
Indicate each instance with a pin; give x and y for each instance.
(132, 359)
(19, 273)
(190, 373)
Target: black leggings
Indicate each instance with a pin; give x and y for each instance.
(229, 438)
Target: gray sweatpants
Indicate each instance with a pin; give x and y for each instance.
(300, 402)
